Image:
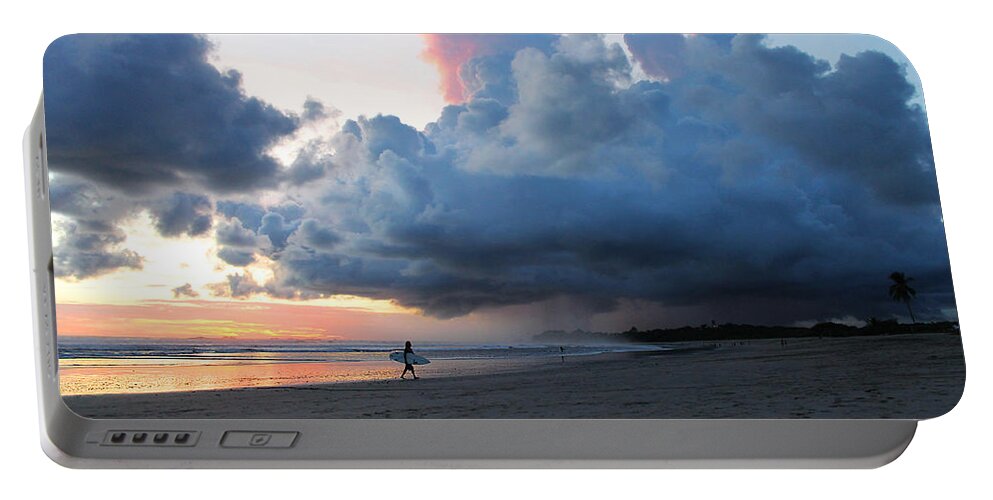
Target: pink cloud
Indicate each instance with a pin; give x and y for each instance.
(450, 52)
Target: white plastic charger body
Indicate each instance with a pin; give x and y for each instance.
(75, 441)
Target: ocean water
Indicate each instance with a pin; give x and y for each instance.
(116, 366)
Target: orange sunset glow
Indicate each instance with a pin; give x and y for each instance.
(233, 320)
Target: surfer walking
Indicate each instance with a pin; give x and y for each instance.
(407, 364)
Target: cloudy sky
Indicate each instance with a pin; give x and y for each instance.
(472, 186)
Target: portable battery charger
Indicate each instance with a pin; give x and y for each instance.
(486, 250)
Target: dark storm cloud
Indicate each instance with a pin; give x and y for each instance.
(238, 244)
(277, 228)
(86, 253)
(141, 123)
(740, 183)
(311, 163)
(853, 118)
(243, 286)
(235, 234)
(290, 212)
(263, 231)
(236, 256)
(570, 115)
(755, 184)
(387, 133)
(666, 55)
(91, 242)
(138, 112)
(90, 205)
(312, 233)
(183, 213)
(313, 110)
(249, 214)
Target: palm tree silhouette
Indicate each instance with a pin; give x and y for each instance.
(901, 291)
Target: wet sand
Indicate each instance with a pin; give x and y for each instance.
(901, 376)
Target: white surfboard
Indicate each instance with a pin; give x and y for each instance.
(411, 358)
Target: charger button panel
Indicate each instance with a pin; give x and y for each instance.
(258, 439)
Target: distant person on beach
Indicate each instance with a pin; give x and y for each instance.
(407, 349)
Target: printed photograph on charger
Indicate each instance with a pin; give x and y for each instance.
(496, 226)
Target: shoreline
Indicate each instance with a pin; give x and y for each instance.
(91, 378)
(911, 376)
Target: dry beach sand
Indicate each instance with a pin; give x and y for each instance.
(900, 376)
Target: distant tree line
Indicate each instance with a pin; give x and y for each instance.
(900, 290)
